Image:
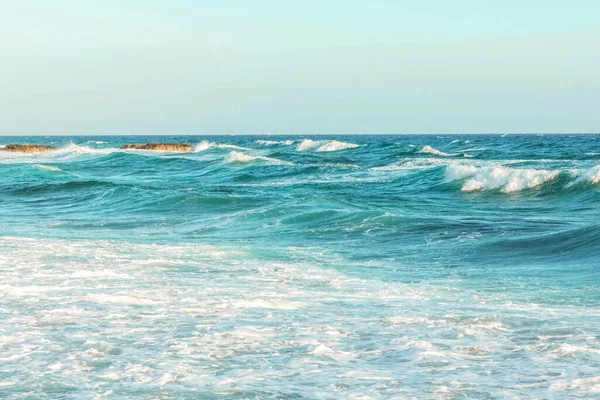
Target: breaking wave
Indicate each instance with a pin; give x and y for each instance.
(325, 145)
(238, 157)
(205, 145)
(50, 168)
(275, 142)
(505, 179)
(430, 150)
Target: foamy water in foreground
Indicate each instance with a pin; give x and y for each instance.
(291, 267)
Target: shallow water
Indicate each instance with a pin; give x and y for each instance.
(459, 266)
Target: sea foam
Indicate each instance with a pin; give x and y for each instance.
(205, 145)
(49, 168)
(275, 142)
(505, 179)
(238, 157)
(430, 150)
(325, 145)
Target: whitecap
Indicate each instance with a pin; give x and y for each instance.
(334, 145)
(50, 168)
(120, 299)
(325, 145)
(274, 304)
(589, 385)
(307, 144)
(508, 180)
(337, 355)
(430, 150)
(275, 142)
(76, 149)
(593, 174)
(569, 350)
(237, 157)
(205, 145)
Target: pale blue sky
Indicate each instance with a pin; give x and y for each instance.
(328, 66)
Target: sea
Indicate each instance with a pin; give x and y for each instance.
(301, 267)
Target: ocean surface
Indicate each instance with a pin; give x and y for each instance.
(301, 267)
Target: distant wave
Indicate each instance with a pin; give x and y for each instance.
(505, 179)
(205, 145)
(460, 141)
(50, 168)
(307, 144)
(78, 150)
(325, 145)
(497, 175)
(61, 154)
(430, 150)
(275, 142)
(238, 157)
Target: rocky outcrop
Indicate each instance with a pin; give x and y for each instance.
(27, 148)
(159, 147)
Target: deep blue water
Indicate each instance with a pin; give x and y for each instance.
(451, 266)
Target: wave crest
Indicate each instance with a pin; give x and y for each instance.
(238, 157)
(430, 150)
(505, 179)
(325, 145)
(275, 142)
(205, 145)
(49, 168)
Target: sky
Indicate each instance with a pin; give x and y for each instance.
(299, 67)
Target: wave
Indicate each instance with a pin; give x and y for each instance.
(505, 179)
(325, 145)
(592, 174)
(76, 149)
(237, 157)
(61, 154)
(275, 142)
(569, 350)
(307, 144)
(497, 175)
(50, 168)
(205, 145)
(430, 150)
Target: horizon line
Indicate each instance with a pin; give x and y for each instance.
(297, 134)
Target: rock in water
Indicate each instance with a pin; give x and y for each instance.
(27, 148)
(159, 147)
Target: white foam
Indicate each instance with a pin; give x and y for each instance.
(338, 355)
(120, 299)
(588, 385)
(274, 304)
(593, 174)
(275, 142)
(430, 150)
(490, 177)
(334, 145)
(50, 168)
(205, 145)
(60, 154)
(237, 157)
(408, 320)
(569, 350)
(82, 150)
(325, 145)
(307, 144)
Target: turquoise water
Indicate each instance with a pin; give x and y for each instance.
(451, 267)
